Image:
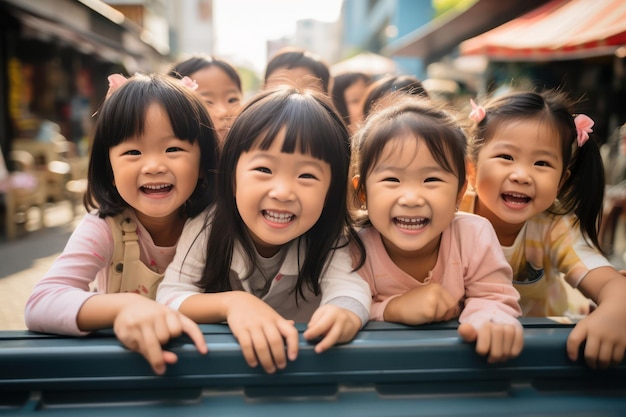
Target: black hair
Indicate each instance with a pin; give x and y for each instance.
(289, 58)
(198, 62)
(389, 84)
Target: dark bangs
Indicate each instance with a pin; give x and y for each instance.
(413, 118)
(311, 126)
(123, 114)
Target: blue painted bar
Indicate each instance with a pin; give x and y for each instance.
(387, 370)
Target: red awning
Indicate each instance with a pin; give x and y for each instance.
(560, 29)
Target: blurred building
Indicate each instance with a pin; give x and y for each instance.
(312, 35)
(576, 45)
(191, 27)
(54, 59)
(373, 25)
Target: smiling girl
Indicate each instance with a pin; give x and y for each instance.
(275, 249)
(426, 262)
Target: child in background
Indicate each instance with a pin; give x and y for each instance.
(347, 94)
(152, 165)
(275, 249)
(426, 262)
(219, 85)
(387, 85)
(296, 66)
(539, 180)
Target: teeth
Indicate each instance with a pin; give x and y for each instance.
(278, 217)
(411, 223)
(155, 187)
(409, 220)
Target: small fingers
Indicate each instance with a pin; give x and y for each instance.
(332, 336)
(151, 350)
(247, 349)
(290, 334)
(574, 341)
(276, 344)
(195, 334)
(592, 351)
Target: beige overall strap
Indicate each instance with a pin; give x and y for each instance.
(125, 249)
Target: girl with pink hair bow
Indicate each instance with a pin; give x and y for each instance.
(151, 169)
(537, 177)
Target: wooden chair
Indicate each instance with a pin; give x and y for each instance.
(25, 189)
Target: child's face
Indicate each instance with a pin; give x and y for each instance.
(353, 96)
(518, 172)
(155, 173)
(410, 198)
(279, 196)
(221, 97)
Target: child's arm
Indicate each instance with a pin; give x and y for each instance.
(261, 332)
(55, 301)
(141, 324)
(604, 329)
(350, 297)
(492, 303)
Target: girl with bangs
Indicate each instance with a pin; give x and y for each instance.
(426, 262)
(151, 168)
(274, 251)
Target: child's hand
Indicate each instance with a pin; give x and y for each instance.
(261, 332)
(500, 341)
(146, 325)
(335, 324)
(604, 330)
(426, 304)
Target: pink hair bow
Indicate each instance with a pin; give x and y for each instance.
(189, 83)
(115, 82)
(583, 124)
(478, 113)
(118, 80)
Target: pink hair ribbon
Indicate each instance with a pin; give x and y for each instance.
(118, 80)
(478, 112)
(583, 124)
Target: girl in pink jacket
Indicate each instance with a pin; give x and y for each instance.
(427, 262)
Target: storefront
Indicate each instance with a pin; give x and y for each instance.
(576, 45)
(54, 60)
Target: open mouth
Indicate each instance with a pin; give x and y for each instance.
(157, 189)
(513, 198)
(411, 223)
(276, 217)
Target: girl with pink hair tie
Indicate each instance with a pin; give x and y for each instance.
(538, 178)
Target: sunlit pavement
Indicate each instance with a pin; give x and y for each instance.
(26, 259)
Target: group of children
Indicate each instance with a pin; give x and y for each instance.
(273, 213)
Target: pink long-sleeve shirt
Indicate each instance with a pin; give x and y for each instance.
(83, 266)
(470, 266)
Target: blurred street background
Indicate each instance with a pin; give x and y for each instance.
(55, 56)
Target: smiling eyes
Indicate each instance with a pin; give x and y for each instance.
(537, 163)
(429, 179)
(266, 170)
(135, 152)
